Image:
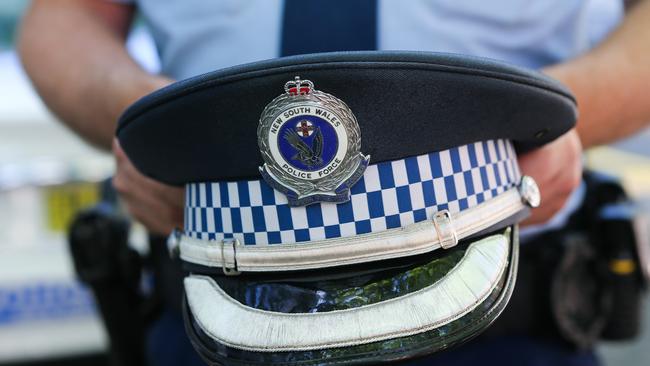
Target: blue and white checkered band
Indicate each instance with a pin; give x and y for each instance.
(389, 195)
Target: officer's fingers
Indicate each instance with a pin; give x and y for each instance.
(172, 196)
(545, 212)
(132, 179)
(117, 150)
(567, 164)
(138, 197)
(149, 209)
(158, 207)
(153, 213)
(556, 185)
(155, 224)
(135, 193)
(557, 168)
(554, 195)
(556, 198)
(126, 184)
(561, 156)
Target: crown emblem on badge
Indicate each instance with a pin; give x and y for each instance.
(298, 87)
(310, 143)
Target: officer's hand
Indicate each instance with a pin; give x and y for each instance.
(557, 169)
(157, 206)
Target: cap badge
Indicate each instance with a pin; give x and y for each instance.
(310, 142)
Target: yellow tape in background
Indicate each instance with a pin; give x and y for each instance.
(633, 169)
(63, 202)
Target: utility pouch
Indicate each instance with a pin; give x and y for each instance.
(611, 246)
(586, 281)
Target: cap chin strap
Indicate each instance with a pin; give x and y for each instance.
(464, 288)
(444, 230)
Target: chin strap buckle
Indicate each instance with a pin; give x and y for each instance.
(447, 236)
(228, 256)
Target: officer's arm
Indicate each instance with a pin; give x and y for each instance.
(611, 82)
(73, 50)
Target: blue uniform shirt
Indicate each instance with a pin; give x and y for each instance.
(197, 36)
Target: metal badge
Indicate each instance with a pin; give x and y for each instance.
(311, 145)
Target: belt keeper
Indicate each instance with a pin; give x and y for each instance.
(445, 229)
(229, 256)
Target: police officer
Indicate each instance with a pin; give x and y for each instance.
(74, 52)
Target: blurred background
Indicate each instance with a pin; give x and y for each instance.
(47, 174)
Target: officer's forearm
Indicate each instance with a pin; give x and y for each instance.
(611, 82)
(74, 53)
